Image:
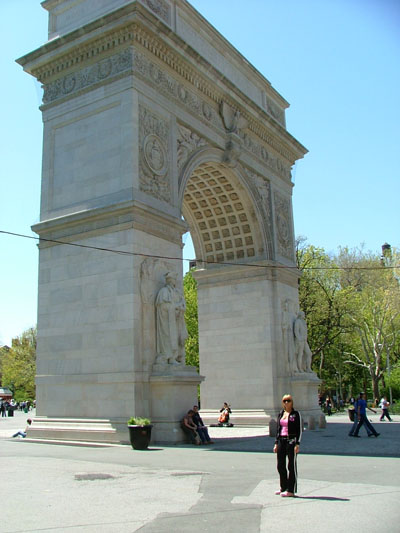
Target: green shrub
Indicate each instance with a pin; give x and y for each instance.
(138, 421)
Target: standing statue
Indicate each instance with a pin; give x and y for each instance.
(302, 350)
(170, 323)
(288, 318)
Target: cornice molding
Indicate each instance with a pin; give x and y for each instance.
(222, 275)
(132, 214)
(199, 78)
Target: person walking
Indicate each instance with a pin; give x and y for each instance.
(355, 422)
(384, 405)
(287, 444)
(361, 407)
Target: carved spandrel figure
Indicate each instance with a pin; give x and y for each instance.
(302, 350)
(171, 326)
(288, 318)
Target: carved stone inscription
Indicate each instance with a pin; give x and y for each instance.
(153, 155)
(283, 226)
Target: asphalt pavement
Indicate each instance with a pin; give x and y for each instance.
(344, 483)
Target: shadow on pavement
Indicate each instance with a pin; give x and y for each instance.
(323, 498)
(333, 440)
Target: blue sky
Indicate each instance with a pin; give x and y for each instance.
(337, 62)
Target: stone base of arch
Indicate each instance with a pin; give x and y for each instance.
(241, 345)
(172, 395)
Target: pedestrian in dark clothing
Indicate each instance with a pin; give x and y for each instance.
(201, 428)
(287, 445)
(189, 428)
(361, 407)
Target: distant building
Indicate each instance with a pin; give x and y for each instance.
(5, 394)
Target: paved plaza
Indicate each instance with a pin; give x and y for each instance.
(345, 484)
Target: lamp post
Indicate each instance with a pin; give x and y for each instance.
(387, 369)
(388, 374)
(386, 259)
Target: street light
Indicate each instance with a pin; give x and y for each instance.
(387, 370)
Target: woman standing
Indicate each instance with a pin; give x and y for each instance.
(287, 445)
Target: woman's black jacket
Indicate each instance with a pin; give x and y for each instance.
(295, 426)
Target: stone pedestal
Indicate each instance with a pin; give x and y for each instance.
(173, 393)
(304, 388)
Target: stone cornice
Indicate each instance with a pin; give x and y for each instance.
(121, 216)
(188, 65)
(245, 273)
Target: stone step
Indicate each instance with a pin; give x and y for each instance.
(78, 429)
(239, 417)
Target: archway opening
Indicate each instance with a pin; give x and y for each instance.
(220, 215)
(220, 212)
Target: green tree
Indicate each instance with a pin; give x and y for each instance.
(375, 315)
(393, 381)
(325, 304)
(18, 366)
(192, 322)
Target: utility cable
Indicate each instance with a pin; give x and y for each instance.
(227, 263)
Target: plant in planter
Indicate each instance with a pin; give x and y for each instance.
(139, 432)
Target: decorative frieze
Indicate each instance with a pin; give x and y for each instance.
(154, 163)
(99, 72)
(283, 225)
(187, 143)
(168, 85)
(260, 151)
(186, 91)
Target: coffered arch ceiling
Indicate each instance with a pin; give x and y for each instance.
(221, 216)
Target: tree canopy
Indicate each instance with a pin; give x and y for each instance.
(18, 366)
(352, 304)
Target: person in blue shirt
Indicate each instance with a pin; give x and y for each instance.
(361, 408)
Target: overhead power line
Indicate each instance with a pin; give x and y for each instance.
(254, 265)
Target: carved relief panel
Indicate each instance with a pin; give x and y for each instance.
(188, 142)
(261, 188)
(283, 226)
(154, 160)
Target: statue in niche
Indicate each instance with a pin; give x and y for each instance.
(288, 318)
(302, 350)
(170, 323)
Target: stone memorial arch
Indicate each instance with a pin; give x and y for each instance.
(155, 125)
